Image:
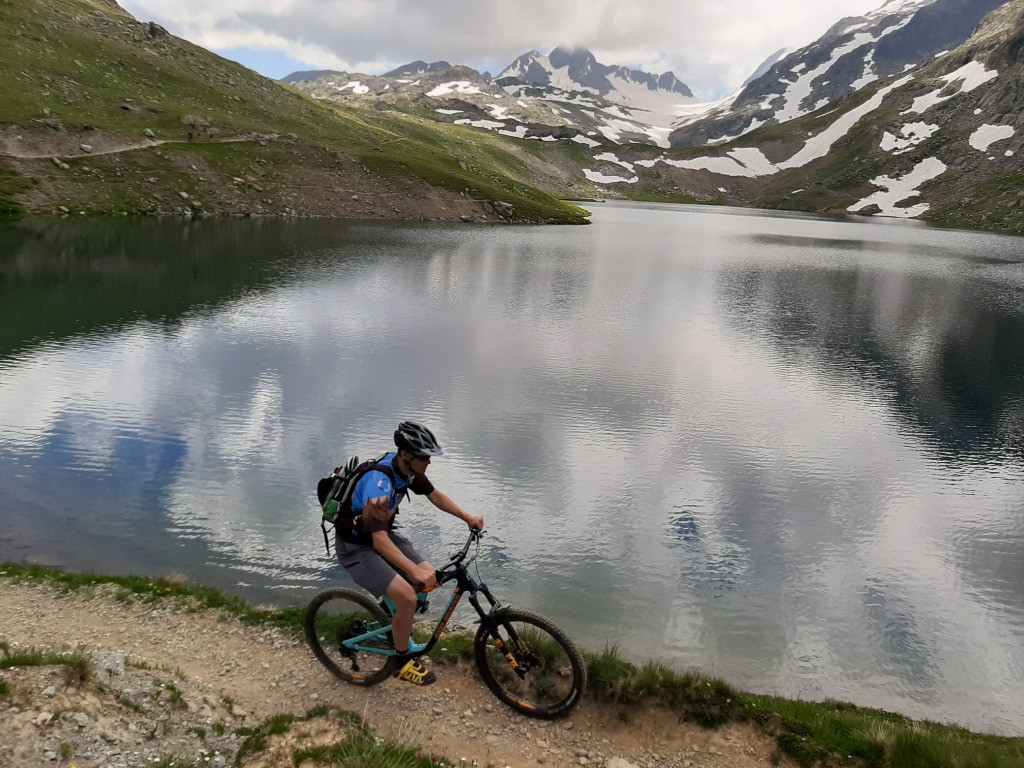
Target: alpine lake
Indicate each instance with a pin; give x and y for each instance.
(785, 450)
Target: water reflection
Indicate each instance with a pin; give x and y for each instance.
(945, 350)
(786, 450)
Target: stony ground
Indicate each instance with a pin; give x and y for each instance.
(171, 682)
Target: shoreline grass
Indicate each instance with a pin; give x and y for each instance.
(807, 732)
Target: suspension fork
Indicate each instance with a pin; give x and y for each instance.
(487, 620)
(474, 590)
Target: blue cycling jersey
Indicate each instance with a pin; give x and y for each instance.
(375, 484)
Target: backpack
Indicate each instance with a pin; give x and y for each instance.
(334, 492)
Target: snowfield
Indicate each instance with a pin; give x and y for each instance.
(987, 135)
(895, 190)
(750, 162)
(457, 86)
(973, 74)
(912, 135)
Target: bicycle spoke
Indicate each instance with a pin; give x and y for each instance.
(531, 664)
(333, 620)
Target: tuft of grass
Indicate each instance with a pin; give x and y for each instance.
(360, 747)
(607, 672)
(256, 738)
(127, 703)
(174, 696)
(697, 698)
(452, 648)
(78, 666)
(812, 733)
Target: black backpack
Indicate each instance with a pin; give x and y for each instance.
(334, 492)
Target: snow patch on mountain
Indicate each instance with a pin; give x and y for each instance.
(751, 162)
(795, 95)
(489, 124)
(354, 85)
(986, 135)
(895, 190)
(576, 70)
(911, 135)
(458, 86)
(898, 6)
(600, 178)
(972, 74)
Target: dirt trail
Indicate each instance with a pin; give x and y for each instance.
(35, 146)
(198, 672)
(35, 154)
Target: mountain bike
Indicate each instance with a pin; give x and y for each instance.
(525, 659)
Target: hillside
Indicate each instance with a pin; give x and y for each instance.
(845, 125)
(941, 142)
(854, 53)
(105, 114)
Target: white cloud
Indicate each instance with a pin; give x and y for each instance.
(712, 45)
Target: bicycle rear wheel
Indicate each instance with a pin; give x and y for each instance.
(531, 664)
(336, 615)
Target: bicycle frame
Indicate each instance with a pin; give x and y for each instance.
(466, 585)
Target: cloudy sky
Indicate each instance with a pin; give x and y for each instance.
(711, 45)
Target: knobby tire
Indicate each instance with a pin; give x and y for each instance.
(337, 614)
(552, 674)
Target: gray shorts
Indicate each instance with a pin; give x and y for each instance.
(367, 568)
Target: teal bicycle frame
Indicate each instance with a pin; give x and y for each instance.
(467, 585)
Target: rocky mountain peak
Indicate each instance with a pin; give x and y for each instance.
(854, 53)
(575, 68)
(415, 68)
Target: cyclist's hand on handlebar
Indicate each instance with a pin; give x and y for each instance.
(475, 523)
(425, 576)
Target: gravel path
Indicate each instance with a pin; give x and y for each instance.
(173, 681)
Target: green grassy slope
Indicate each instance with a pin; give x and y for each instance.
(84, 72)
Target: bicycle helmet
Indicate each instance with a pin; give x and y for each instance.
(417, 440)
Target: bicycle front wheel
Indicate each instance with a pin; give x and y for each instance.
(337, 615)
(531, 664)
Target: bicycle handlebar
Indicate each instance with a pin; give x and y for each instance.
(443, 572)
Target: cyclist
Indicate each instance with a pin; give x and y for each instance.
(383, 561)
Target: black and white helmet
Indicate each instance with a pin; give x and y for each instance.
(417, 440)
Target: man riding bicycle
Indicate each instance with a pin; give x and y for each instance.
(383, 561)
